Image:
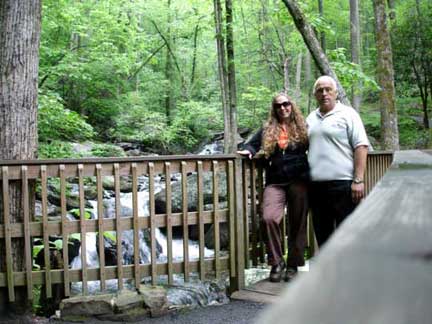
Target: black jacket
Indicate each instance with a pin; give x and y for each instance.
(282, 166)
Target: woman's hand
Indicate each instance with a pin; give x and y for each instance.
(246, 153)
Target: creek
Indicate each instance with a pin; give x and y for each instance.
(180, 293)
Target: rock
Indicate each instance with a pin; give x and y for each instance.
(125, 183)
(126, 299)
(223, 236)
(86, 306)
(155, 299)
(176, 189)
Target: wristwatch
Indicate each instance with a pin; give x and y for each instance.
(358, 180)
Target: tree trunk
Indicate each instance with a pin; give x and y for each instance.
(169, 75)
(322, 34)
(298, 76)
(355, 50)
(313, 45)
(385, 74)
(223, 79)
(19, 64)
(231, 77)
(286, 75)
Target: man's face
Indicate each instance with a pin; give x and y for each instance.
(325, 94)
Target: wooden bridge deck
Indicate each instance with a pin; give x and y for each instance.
(264, 291)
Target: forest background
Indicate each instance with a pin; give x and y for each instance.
(146, 72)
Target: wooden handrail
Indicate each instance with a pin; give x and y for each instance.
(376, 268)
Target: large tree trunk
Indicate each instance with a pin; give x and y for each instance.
(355, 49)
(313, 45)
(385, 73)
(19, 62)
(231, 77)
(223, 79)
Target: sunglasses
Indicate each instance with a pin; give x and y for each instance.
(284, 104)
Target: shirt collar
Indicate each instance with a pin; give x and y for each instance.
(337, 108)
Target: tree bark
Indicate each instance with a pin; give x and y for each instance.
(322, 34)
(385, 74)
(169, 95)
(223, 79)
(231, 77)
(286, 75)
(355, 50)
(19, 63)
(298, 76)
(313, 45)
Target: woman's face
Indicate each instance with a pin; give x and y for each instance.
(283, 107)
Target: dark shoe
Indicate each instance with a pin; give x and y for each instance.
(276, 272)
(290, 273)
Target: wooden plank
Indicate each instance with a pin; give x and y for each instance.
(83, 229)
(27, 237)
(246, 166)
(254, 214)
(65, 234)
(262, 250)
(231, 206)
(380, 255)
(200, 195)
(169, 221)
(47, 260)
(216, 219)
(126, 223)
(118, 226)
(185, 222)
(239, 281)
(111, 272)
(136, 225)
(152, 224)
(101, 230)
(89, 165)
(8, 240)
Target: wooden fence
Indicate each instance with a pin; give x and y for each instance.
(244, 186)
(253, 185)
(22, 226)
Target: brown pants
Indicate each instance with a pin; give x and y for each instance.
(276, 197)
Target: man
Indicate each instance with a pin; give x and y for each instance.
(337, 155)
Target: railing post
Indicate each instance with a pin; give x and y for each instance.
(238, 281)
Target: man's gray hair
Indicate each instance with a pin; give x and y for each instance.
(325, 78)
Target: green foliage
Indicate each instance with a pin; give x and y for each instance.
(55, 150)
(111, 235)
(77, 213)
(255, 105)
(350, 73)
(57, 123)
(107, 150)
(372, 123)
(192, 124)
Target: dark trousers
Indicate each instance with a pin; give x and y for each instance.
(331, 203)
(276, 197)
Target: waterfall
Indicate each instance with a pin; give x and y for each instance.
(191, 293)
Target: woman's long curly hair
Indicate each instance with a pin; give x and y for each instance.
(297, 132)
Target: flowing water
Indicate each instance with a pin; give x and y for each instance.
(193, 292)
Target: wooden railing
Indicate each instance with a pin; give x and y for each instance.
(253, 185)
(244, 186)
(377, 267)
(19, 224)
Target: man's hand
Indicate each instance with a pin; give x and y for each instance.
(245, 152)
(357, 192)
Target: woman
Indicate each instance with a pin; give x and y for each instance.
(283, 139)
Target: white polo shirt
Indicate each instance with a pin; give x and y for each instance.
(332, 140)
